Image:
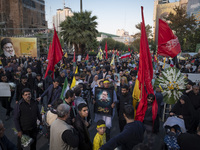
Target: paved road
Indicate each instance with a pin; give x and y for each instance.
(42, 143)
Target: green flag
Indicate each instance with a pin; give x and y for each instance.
(65, 89)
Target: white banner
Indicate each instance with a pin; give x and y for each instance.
(5, 89)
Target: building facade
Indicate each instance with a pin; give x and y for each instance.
(162, 9)
(21, 16)
(60, 16)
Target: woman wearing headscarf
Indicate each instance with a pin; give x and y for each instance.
(184, 110)
(94, 83)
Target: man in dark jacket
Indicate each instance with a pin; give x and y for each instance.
(131, 135)
(89, 77)
(189, 141)
(26, 115)
(48, 80)
(23, 84)
(125, 99)
(81, 126)
(53, 92)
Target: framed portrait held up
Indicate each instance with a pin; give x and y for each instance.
(104, 100)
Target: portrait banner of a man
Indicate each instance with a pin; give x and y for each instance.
(104, 100)
(14, 46)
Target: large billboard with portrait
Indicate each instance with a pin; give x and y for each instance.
(104, 100)
(11, 46)
(193, 7)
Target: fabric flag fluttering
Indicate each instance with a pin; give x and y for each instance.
(74, 79)
(66, 55)
(168, 43)
(74, 59)
(125, 55)
(50, 52)
(65, 89)
(113, 60)
(55, 53)
(145, 75)
(136, 94)
(87, 59)
(106, 49)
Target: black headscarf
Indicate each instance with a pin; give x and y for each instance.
(187, 111)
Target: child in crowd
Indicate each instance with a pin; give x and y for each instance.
(100, 137)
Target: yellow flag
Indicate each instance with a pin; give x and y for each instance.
(136, 94)
(66, 55)
(74, 79)
(164, 63)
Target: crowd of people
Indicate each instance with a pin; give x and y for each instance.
(37, 102)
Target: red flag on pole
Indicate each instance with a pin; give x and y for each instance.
(50, 52)
(145, 75)
(168, 44)
(106, 49)
(129, 49)
(55, 53)
(87, 58)
(74, 59)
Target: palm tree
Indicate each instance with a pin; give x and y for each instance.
(79, 30)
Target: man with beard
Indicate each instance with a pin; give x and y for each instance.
(26, 115)
(69, 98)
(125, 99)
(151, 127)
(107, 119)
(23, 84)
(8, 50)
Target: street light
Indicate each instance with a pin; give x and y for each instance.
(81, 6)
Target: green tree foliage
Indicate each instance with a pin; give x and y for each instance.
(136, 42)
(184, 27)
(80, 31)
(112, 44)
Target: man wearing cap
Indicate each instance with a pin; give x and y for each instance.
(107, 119)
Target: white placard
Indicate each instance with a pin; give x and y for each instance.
(5, 89)
(79, 58)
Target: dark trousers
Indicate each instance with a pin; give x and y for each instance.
(107, 134)
(122, 123)
(31, 133)
(5, 102)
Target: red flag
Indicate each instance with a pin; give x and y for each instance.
(117, 53)
(50, 52)
(87, 57)
(55, 53)
(129, 49)
(74, 59)
(168, 44)
(106, 49)
(145, 75)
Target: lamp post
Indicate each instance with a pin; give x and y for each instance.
(81, 6)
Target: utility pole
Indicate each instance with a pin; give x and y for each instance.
(64, 3)
(81, 6)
